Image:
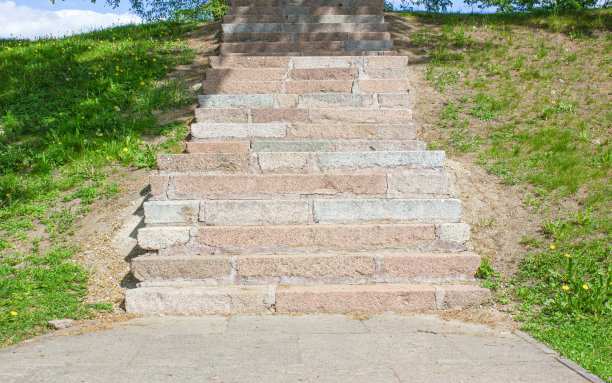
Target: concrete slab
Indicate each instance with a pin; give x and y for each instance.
(276, 348)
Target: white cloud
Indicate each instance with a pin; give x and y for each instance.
(27, 22)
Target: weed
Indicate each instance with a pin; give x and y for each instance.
(72, 109)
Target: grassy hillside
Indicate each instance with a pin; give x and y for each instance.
(529, 97)
(71, 110)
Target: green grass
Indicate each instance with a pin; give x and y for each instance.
(528, 94)
(72, 110)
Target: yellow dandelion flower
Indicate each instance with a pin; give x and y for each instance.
(116, 74)
(585, 287)
(116, 107)
(125, 149)
(165, 66)
(154, 59)
(142, 83)
(567, 256)
(88, 47)
(14, 313)
(59, 143)
(552, 247)
(565, 288)
(60, 113)
(82, 117)
(8, 195)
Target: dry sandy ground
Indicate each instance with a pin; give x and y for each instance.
(496, 212)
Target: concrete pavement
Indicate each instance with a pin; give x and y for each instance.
(276, 348)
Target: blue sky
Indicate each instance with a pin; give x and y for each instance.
(99, 6)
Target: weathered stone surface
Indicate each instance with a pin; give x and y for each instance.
(171, 211)
(245, 74)
(291, 146)
(321, 62)
(456, 296)
(369, 45)
(453, 232)
(159, 184)
(325, 74)
(322, 131)
(407, 131)
(430, 265)
(192, 300)
(221, 115)
(386, 210)
(360, 115)
(254, 27)
(203, 161)
(220, 130)
(355, 298)
(394, 100)
(237, 87)
(376, 145)
(387, 73)
(236, 100)
(196, 185)
(336, 19)
(327, 100)
(189, 267)
(292, 162)
(387, 61)
(155, 238)
(422, 182)
(279, 115)
(256, 212)
(425, 159)
(60, 324)
(287, 100)
(219, 147)
(310, 237)
(318, 86)
(383, 86)
(249, 62)
(312, 267)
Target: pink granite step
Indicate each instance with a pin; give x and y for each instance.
(309, 268)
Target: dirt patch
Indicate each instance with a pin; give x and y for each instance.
(107, 234)
(496, 212)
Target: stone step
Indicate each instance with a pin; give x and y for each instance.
(310, 3)
(315, 53)
(336, 146)
(261, 113)
(280, 74)
(407, 183)
(202, 239)
(306, 47)
(306, 62)
(226, 162)
(304, 27)
(303, 162)
(218, 147)
(287, 37)
(304, 10)
(304, 19)
(240, 131)
(308, 268)
(362, 298)
(302, 212)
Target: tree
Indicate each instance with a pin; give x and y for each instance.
(179, 10)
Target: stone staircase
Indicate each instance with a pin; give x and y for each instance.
(304, 187)
(305, 28)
